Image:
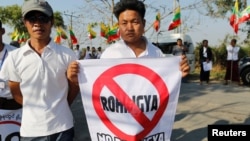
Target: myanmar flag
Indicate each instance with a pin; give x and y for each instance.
(62, 33)
(177, 18)
(22, 38)
(113, 34)
(244, 15)
(104, 30)
(92, 34)
(57, 38)
(14, 35)
(234, 17)
(72, 37)
(157, 22)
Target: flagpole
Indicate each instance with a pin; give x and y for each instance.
(91, 42)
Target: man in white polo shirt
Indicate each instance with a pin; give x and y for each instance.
(37, 78)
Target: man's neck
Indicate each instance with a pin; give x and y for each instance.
(38, 45)
(138, 47)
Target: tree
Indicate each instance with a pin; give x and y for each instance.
(12, 16)
(220, 8)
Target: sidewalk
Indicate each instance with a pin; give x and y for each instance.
(202, 105)
(198, 106)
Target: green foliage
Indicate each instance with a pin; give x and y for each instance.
(220, 55)
(58, 20)
(220, 8)
(12, 16)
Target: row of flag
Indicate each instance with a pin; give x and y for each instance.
(238, 17)
(174, 23)
(19, 37)
(110, 33)
(61, 34)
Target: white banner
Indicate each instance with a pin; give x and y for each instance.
(130, 99)
(10, 122)
(207, 66)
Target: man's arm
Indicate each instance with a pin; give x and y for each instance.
(73, 91)
(72, 76)
(16, 91)
(184, 66)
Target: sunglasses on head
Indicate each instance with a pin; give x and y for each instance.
(40, 19)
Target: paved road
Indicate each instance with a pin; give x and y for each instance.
(198, 106)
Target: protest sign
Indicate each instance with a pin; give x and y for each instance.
(10, 122)
(130, 99)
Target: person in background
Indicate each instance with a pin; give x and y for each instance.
(179, 49)
(77, 51)
(6, 99)
(205, 55)
(93, 54)
(232, 70)
(87, 53)
(130, 15)
(37, 74)
(99, 52)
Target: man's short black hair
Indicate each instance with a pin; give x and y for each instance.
(129, 5)
(0, 24)
(179, 39)
(205, 40)
(234, 40)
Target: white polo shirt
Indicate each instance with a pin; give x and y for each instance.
(44, 87)
(232, 53)
(4, 88)
(121, 50)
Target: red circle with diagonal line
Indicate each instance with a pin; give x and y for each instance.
(106, 79)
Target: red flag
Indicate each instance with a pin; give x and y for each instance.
(104, 30)
(72, 37)
(113, 34)
(177, 18)
(157, 22)
(234, 17)
(57, 38)
(244, 15)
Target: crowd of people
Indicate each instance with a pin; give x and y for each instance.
(88, 53)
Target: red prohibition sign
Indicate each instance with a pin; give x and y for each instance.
(11, 122)
(106, 79)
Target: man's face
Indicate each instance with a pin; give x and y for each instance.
(179, 42)
(38, 25)
(205, 43)
(131, 26)
(233, 43)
